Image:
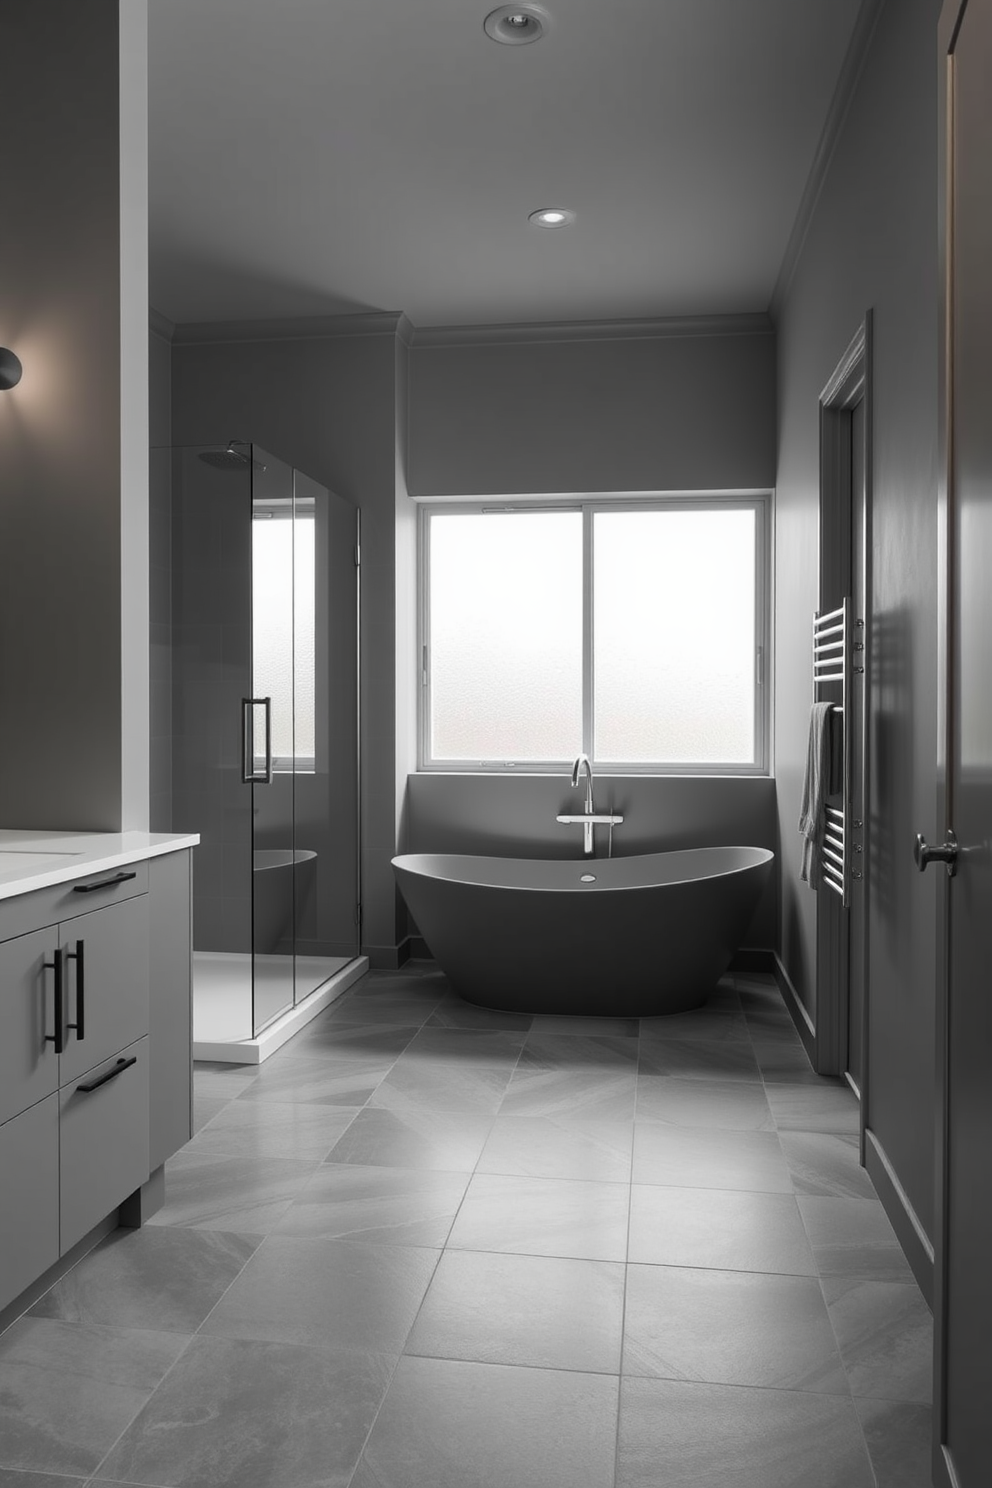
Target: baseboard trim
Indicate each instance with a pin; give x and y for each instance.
(805, 1027)
(388, 957)
(902, 1216)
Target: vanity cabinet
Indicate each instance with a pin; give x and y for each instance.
(80, 1050)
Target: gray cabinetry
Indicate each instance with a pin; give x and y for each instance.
(29, 1065)
(29, 1196)
(80, 1049)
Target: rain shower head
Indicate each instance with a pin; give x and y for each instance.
(231, 458)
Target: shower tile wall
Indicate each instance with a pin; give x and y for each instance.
(211, 673)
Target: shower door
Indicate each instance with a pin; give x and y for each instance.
(265, 730)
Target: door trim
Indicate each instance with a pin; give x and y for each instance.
(850, 382)
(951, 16)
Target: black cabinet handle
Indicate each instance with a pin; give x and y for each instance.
(59, 967)
(111, 1074)
(78, 956)
(102, 883)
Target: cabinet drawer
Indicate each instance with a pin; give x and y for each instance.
(103, 1141)
(115, 981)
(23, 913)
(29, 1067)
(29, 1206)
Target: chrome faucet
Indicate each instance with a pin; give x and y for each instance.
(583, 759)
(588, 817)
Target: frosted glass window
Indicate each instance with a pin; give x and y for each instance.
(674, 636)
(505, 616)
(283, 634)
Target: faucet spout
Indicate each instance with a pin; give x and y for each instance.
(582, 762)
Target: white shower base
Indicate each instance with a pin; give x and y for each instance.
(222, 1001)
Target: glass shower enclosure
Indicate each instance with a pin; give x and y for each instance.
(265, 732)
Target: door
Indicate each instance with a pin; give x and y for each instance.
(963, 1310)
(845, 572)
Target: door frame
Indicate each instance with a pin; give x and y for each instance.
(850, 383)
(951, 16)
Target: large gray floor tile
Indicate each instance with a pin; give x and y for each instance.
(734, 1106)
(377, 1044)
(212, 1191)
(853, 1237)
(698, 1059)
(12, 1478)
(591, 1051)
(455, 1012)
(592, 1093)
(157, 1278)
(67, 1390)
(728, 1231)
(521, 1309)
(545, 1023)
(222, 1081)
(326, 1294)
(822, 1107)
(685, 1435)
(236, 1414)
(717, 1022)
(398, 1011)
(444, 1141)
(826, 1163)
(472, 1046)
(389, 1206)
(318, 1081)
(437, 1084)
(543, 1216)
(205, 1108)
(263, 1128)
(899, 1442)
(885, 1332)
(707, 1158)
(450, 1424)
(730, 1327)
(784, 1063)
(545, 1147)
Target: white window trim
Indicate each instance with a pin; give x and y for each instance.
(758, 501)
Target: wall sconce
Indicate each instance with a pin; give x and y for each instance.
(10, 368)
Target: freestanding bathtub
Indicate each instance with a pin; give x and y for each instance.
(621, 937)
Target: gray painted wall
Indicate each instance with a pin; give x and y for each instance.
(73, 434)
(515, 817)
(661, 412)
(160, 583)
(872, 243)
(327, 405)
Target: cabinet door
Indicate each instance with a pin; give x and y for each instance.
(115, 983)
(29, 1066)
(29, 1197)
(103, 1140)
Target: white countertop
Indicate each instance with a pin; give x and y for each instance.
(34, 860)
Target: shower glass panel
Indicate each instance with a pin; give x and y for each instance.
(265, 743)
(271, 768)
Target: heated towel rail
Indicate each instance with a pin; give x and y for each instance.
(834, 662)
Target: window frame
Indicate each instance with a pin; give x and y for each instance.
(757, 501)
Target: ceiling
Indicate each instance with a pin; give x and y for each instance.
(324, 157)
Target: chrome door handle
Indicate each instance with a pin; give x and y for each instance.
(249, 774)
(948, 853)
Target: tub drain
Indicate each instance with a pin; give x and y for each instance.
(588, 878)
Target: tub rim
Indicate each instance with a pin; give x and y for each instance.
(408, 862)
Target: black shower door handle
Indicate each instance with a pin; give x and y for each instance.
(249, 774)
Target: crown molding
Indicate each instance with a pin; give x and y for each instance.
(293, 328)
(160, 324)
(758, 324)
(840, 104)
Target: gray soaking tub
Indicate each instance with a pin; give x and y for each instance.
(614, 937)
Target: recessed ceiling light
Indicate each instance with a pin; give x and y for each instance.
(516, 25)
(552, 217)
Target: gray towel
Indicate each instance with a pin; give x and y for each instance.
(816, 783)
